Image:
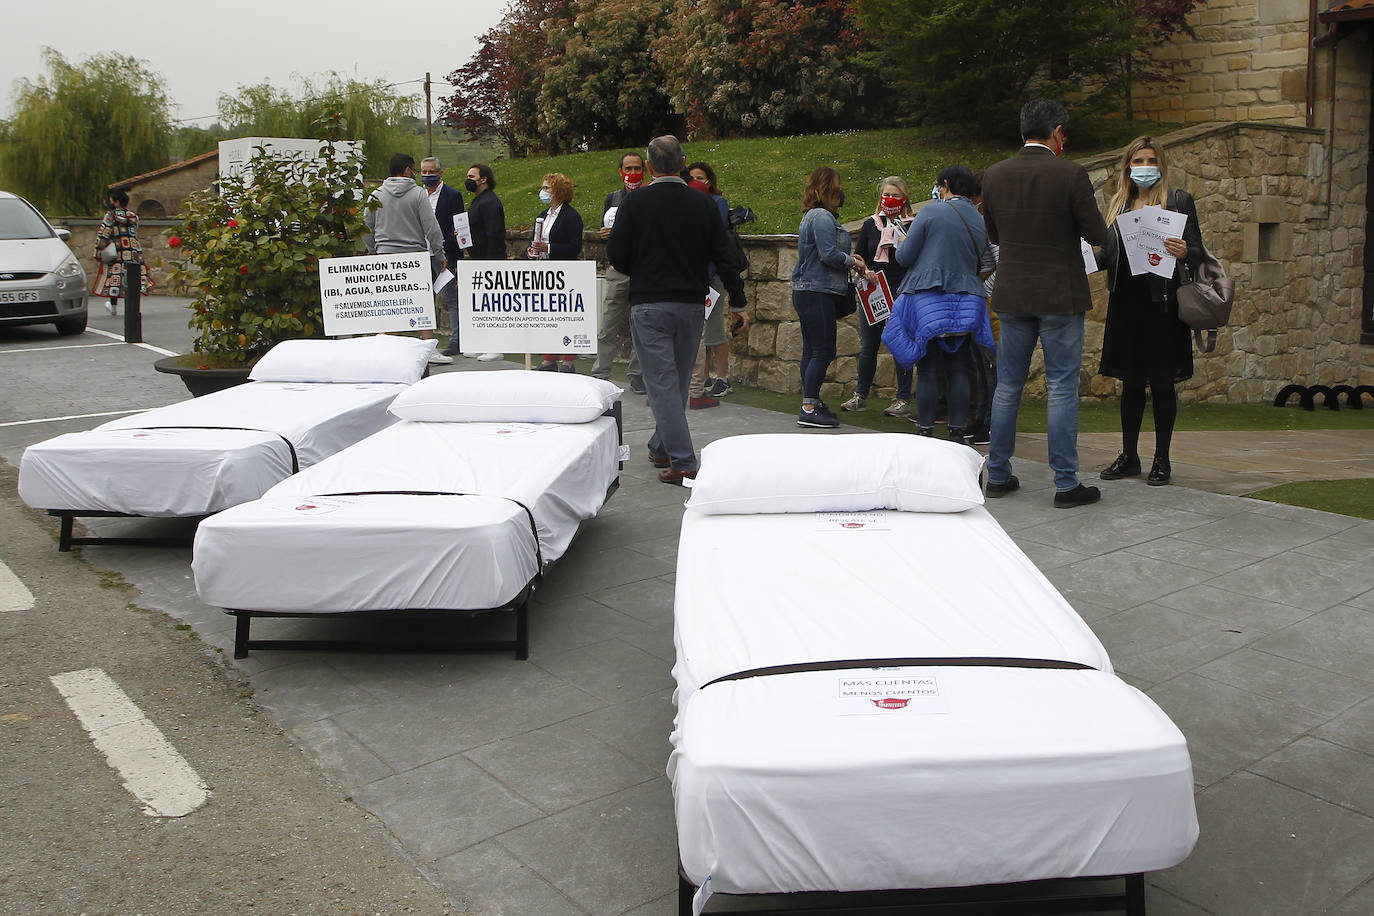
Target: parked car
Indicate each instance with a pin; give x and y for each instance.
(41, 281)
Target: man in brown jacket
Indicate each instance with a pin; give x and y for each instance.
(1036, 207)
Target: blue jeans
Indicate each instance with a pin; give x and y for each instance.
(817, 313)
(953, 368)
(1061, 339)
(870, 336)
(666, 336)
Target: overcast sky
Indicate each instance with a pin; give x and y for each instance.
(202, 49)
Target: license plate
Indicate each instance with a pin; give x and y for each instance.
(22, 295)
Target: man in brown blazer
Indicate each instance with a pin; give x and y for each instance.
(1036, 207)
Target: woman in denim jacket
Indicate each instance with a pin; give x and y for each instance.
(819, 284)
(941, 301)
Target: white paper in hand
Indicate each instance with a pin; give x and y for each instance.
(462, 230)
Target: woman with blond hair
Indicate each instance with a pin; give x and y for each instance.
(557, 237)
(879, 237)
(1144, 342)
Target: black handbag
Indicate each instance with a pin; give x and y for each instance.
(849, 302)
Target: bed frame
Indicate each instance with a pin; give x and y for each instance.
(1055, 895)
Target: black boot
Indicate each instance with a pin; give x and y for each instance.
(1124, 466)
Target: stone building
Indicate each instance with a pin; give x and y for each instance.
(158, 194)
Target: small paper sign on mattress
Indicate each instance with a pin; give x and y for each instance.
(889, 692)
(852, 521)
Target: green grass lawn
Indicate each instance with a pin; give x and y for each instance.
(769, 174)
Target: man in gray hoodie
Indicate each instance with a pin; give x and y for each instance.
(405, 222)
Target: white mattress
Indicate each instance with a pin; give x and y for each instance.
(915, 776)
(139, 466)
(300, 549)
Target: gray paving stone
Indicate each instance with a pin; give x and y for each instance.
(337, 752)
(612, 670)
(1340, 639)
(1228, 728)
(638, 728)
(607, 856)
(560, 624)
(1316, 517)
(597, 569)
(1268, 849)
(649, 600)
(1279, 678)
(434, 724)
(1155, 643)
(1097, 529)
(1256, 533)
(1301, 581)
(1351, 545)
(1121, 580)
(1365, 600)
(445, 806)
(1353, 728)
(1358, 903)
(1242, 612)
(1045, 556)
(301, 693)
(559, 766)
(495, 883)
(1330, 772)
(1174, 549)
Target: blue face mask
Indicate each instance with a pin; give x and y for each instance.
(545, 197)
(430, 180)
(1145, 176)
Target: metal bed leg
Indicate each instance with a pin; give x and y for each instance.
(64, 534)
(522, 630)
(685, 893)
(1135, 895)
(242, 622)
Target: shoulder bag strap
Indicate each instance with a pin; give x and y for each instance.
(977, 252)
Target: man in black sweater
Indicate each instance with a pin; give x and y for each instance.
(665, 238)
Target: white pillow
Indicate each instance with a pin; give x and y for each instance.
(383, 358)
(512, 396)
(799, 472)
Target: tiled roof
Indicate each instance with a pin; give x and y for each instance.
(166, 170)
(1348, 10)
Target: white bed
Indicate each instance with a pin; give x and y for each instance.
(309, 399)
(931, 713)
(427, 515)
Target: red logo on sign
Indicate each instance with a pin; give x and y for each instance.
(306, 506)
(892, 703)
(851, 524)
(1155, 259)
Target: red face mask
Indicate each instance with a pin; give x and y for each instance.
(891, 206)
(632, 181)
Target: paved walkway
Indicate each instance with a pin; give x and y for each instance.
(538, 788)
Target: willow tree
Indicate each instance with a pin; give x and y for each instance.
(80, 127)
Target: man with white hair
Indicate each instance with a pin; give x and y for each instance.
(665, 238)
(446, 203)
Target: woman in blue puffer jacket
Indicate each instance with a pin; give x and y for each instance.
(941, 302)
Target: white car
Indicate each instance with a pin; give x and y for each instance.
(41, 281)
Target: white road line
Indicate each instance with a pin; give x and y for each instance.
(59, 347)
(75, 416)
(14, 595)
(120, 338)
(151, 768)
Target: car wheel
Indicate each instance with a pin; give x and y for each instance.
(68, 326)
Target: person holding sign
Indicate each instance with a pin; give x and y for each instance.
(615, 303)
(878, 240)
(941, 302)
(404, 223)
(1144, 342)
(664, 239)
(557, 237)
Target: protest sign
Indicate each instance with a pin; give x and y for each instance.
(1143, 233)
(876, 301)
(527, 306)
(376, 293)
(462, 230)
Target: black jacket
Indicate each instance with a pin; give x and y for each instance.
(565, 241)
(487, 220)
(450, 204)
(665, 238)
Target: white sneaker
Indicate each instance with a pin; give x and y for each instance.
(109, 307)
(490, 357)
(439, 358)
(467, 355)
(855, 403)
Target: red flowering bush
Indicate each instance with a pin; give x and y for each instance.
(251, 250)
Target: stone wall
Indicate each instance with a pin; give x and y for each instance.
(1246, 61)
(152, 235)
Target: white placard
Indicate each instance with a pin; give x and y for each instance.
(712, 297)
(444, 278)
(376, 293)
(527, 306)
(1089, 259)
(876, 300)
(1143, 233)
(462, 229)
(890, 692)
(608, 218)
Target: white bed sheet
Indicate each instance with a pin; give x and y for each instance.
(300, 549)
(138, 466)
(1005, 774)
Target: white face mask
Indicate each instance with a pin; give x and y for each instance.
(935, 192)
(545, 197)
(1145, 176)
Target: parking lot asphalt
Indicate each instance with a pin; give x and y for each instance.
(538, 787)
